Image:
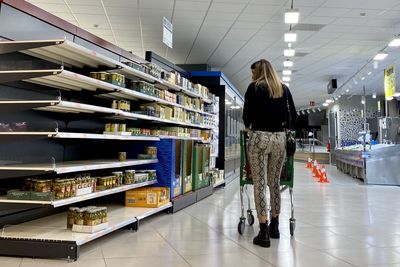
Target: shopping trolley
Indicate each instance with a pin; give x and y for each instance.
(286, 182)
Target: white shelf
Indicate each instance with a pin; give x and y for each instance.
(72, 107)
(219, 183)
(76, 166)
(53, 228)
(70, 54)
(60, 51)
(71, 200)
(63, 135)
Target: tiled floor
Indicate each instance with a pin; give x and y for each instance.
(344, 223)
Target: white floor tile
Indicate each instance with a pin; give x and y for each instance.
(148, 261)
(10, 261)
(240, 259)
(26, 262)
(366, 256)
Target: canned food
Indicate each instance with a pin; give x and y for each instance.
(129, 177)
(114, 127)
(107, 127)
(114, 77)
(93, 75)
(122, 127)
(103, 76)
(114, 104)
(122, 156)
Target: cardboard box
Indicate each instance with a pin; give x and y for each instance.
(148, 197)
(177, 182)
(187, 158)
(43, 196)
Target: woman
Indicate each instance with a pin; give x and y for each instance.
(266, 116)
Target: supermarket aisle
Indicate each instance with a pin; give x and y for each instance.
(340, 224)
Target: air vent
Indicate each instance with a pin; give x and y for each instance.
(308, 27)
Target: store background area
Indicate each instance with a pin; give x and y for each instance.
(121, 148)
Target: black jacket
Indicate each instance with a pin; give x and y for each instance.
(264, 113)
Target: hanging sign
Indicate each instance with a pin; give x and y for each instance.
(390, 81)
(167, 32)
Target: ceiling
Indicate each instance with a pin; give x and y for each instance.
(231, 34)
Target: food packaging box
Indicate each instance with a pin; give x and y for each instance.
(18, 195)
(187, 159)
(148, 197)
(44, 196)
(88, 228)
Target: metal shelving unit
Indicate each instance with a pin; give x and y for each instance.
(48, 237)
(76, 166)
(71, 200)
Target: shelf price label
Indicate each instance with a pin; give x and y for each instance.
(167, 32)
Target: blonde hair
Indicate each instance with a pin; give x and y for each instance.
(265, 75)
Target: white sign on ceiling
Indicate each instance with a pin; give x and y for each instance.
(167, 32)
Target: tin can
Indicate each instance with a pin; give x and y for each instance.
(122, 156)
(103, 76)
(114, 104)
(114, 127)
(122, 127)
(93, 75)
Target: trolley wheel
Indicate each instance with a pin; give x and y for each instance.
(241, 226)
(250, 218)
(292, 225)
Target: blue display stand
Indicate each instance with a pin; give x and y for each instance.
(166, 168)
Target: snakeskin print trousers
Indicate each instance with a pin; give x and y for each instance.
(266, 156)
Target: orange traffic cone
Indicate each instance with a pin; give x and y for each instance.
(323, 179)
(315, 166)
(309, 164)
(318, 173)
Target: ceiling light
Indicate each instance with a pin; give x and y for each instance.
(329, 101)
(347, 90)
(325, 104)
(290, 37)
(362, 78)
(308, 111)
(292, 16)
(376, 64)
(380, 56)
(363, 100)
(287, 72)
(313, 110)
(339, 96)
(389, 98)
(369, 73)
(395, 43)
(374, 95)
(288, 63)
(302, 112)
(336, 98)
(319, 109)
(288, 52)
(286, 78)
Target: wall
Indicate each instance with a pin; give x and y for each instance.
(350, 116)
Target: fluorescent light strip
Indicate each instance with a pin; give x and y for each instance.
(290, 37)
(288, 63)
(380, 56)
(289, 52)
(292, 16)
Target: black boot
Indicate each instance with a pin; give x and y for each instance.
(263, 237)
(274, 228)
